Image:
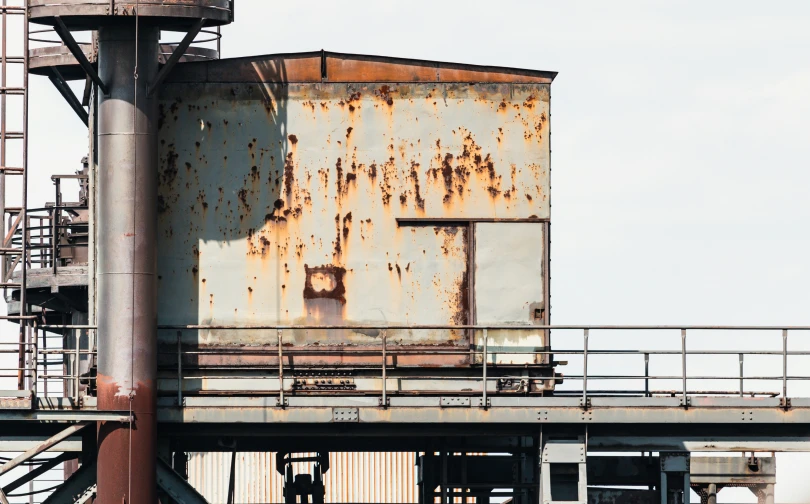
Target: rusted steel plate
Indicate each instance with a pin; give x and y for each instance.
(358, 68)
(279, 205)
(323, 66)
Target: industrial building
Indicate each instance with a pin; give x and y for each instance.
(325, 277)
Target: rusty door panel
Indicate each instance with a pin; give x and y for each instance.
(509, 264)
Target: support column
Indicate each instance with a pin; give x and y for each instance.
(127, 261)
(711, 494)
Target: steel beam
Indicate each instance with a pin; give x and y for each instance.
(36, 450)
(66, 416)
(177, 488)
(62, 86)
(732, 470)
(691, 443)
(77, 52)
(404, 410)
(78, 485)
(25, 443)
(39, 471)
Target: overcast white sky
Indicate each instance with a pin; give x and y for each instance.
(681, 157)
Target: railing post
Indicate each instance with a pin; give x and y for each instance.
(646, 374)
(683, 363)
(742, 390)
(784, 363)
(484, 403)
(35, 354)
(179, 371)
(55, 225)
(77, 358)
(280, 372)
(384, 366)
(585, 368)
(45, 364)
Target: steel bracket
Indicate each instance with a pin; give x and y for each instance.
(454, 402)
(178, 53)
(280, 403)
(479, 402)
(564, 451)
(340, 415)
(585, 403)
(62, 86)
(784, 402)
(384, 402)
(685, 402)
(71, 44)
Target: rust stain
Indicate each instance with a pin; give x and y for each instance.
(384, 94)
(325, 282)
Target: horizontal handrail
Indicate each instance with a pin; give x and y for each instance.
(448, 326)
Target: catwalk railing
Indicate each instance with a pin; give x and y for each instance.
(205, 46)
(775, 369)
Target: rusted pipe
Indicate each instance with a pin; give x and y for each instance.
(127, 261)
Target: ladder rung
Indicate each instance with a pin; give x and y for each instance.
(12, 9)
(11, 170)
(13, 59)
(12, 90)
(14, 135)
(8, 250)
(9, 285)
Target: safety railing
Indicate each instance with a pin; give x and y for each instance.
(55, 364)
(606, 354)
(63, 220)
(206, 45)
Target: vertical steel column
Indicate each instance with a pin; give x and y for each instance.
(711, 494)
(127, 261)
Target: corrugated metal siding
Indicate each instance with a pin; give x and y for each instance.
(353, 477)
(278, 204)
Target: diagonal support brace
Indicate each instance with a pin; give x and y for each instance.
(173, 484)
(178, 53)
(62, 86)
(79, 487)
(77, 52)
(39, 471)
(51, 441)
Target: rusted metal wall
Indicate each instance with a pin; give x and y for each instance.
(321, 203)
(353, 477)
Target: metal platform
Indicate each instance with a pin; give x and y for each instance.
(172, 14)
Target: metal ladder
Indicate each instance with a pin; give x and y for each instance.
(14, 253)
